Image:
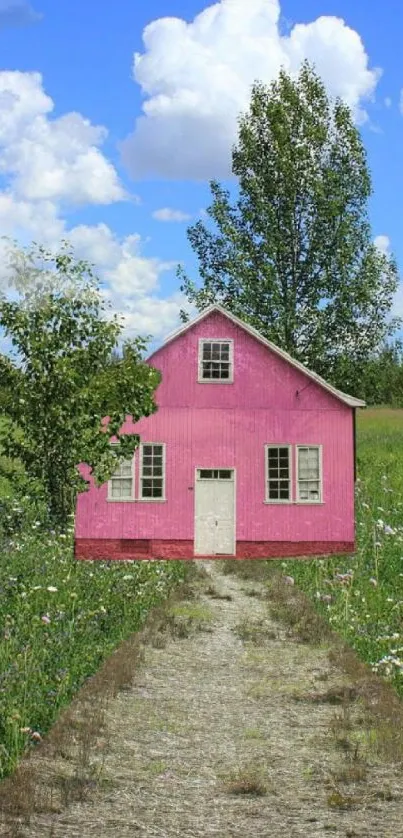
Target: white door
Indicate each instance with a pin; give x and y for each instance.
(214, 512)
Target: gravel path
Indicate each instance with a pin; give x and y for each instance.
(211, 704)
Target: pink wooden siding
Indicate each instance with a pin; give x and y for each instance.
(227, 426)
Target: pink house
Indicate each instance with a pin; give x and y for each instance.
(249, 455)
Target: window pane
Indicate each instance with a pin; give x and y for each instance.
(121, 488)
(115, 489)
(308, 463)
(273, 491)
(284, 472)
(157, 471)
(126, 486)
(284, 485)
(225, 474)
(215, 360)
(147, 492)
(147, 471)
(206, 473)
(126, 469)
(283, 453)
(157, 449)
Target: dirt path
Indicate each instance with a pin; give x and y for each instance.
(211, 704)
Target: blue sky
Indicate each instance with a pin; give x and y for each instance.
(80, 157)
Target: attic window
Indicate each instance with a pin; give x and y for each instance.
(216, 361)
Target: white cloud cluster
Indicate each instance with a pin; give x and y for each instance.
(169, 214)
(51, 159)
(197, 76)
(48, 163)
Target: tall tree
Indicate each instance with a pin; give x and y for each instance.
(293, 255)
(60, 387)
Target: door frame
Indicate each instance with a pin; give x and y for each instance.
(207, 480)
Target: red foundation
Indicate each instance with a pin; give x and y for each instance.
(118, 549)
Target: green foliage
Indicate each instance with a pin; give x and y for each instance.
(366, 603)
(61, 383)
(89, 608)
(294, 256)
(22, 500)
(379, 380)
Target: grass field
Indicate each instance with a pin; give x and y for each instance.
(362, 596)
(59, 620)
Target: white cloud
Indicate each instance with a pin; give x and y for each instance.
(387, 102)
(197, 78)
(51, 159)
(48, 162)
(168, 214)
(149, 315)
(383, 244)
(131, 280)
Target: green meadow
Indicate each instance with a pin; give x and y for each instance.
(59, 620)
(362, 595)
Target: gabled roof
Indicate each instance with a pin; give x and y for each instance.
(343, 397)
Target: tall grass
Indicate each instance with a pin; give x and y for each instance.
(59, 619)
(362, 595)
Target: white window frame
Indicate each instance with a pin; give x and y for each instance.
(266, 472)
(221, 479)
(140, 490)
(122, 500)
(297, 498)
(230, 379)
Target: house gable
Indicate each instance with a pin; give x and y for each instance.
(263, 376)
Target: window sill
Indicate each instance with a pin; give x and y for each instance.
(309, 502)
(294, 502)
(151, 500)
(279, 502)
(215, 381)
(136, 500)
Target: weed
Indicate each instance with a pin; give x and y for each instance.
(246, 781)
(252, 733)
(214, 594)
(258, 569)
(257, 631)
(337, 800)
